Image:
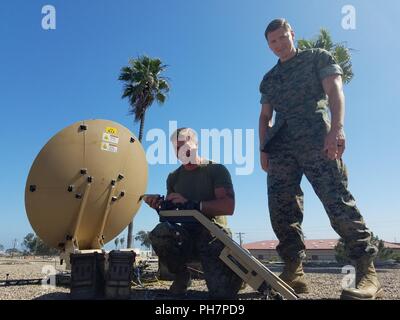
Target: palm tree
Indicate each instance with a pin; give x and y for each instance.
(143, 237)
(116, 241)
(143, 84)
(338, 50)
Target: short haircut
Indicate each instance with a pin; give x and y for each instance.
(184, 134)
(275, 25)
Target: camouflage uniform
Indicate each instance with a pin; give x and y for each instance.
(178, 244)
(295, 147)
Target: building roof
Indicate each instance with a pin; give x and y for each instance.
(392, 245)
(318, 244)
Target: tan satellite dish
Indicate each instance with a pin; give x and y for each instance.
(84, 186)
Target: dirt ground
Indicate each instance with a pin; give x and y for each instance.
(324, 284)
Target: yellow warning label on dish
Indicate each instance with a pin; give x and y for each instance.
(105, 146)
(110, 138)
(112, 130)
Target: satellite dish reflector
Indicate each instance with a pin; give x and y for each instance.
(84, 186)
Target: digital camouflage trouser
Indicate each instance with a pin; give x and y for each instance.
(288, 161)
(178, 244)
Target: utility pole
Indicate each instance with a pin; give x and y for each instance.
(240, 237)
(14, 245)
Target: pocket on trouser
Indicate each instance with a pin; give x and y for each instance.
(222, 282)
(339, 172)
(170, 241)
(328, 177)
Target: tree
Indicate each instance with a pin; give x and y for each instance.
(36, 246)
(121, 241)
(30, 242)
(143, 237)
(339, 51)
(116, 241)
(383, 253)
(143, 84)
(342, 255)
(1, 247)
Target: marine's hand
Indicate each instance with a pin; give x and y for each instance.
(153, 201)
(176, 198)
(264, 161)
(335, 143)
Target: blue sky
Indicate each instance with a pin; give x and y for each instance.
(217, 55)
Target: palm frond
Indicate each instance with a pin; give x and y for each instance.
(306, 44)
(163, 85)
(143, 84)
(160, 98)
(339, 51)
(324, 40)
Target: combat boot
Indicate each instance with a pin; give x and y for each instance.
(367, 283)
(293, 275)
(181, 283)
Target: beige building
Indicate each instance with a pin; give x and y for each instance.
(316, 250)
